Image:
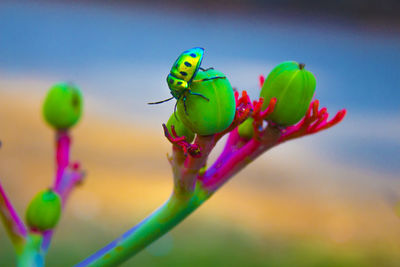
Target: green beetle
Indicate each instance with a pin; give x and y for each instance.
(182, 74)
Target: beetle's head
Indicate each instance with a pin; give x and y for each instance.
(176, 85)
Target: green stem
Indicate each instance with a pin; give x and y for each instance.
(177, 208)
(32, 254)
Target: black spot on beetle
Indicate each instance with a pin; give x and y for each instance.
(187, 64)
(193, 55)
(183, 73)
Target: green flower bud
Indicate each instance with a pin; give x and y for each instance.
(293, 87)
(180, 128)
(44, 210)
(208, 117)
(202, 170)
(246, 130)
(62, 107)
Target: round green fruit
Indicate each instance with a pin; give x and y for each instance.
(62, 107)
(180, 128)
(246, 130)
(293, 87)
(208, 117)
(44, 210)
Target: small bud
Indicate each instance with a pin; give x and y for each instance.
(293, 87)
(180, 128)
(202, 170)
(62, 107)
(246, 130)
(213, 116)
(44, 210)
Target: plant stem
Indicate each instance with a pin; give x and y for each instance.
(63, 143)
(229, 164)
(15, 227)
(32, 255)
(177, 208)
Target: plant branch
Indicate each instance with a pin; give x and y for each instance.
(228, 164)
(15, 227)
(63, 142)
(177, 208)
(67, 176)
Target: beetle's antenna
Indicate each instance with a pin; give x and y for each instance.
(211, 68)
(184, 104)
(159, 102)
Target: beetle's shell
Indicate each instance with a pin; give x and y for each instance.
(62, 107)
(187, 64)
(44, 210)
(180, 128)
(246, 130)
(293, 87)
(213, 116)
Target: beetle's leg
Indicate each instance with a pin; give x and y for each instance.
(211, 68)
(184, 104)
(207, 79)
(192, 93)
(176, 104)
(159, 102)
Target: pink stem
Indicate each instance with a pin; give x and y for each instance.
(66, 177)
(233, 139)
(69, 180)
(225, 165)
(230, 163)
(63, 142)
(13, 223)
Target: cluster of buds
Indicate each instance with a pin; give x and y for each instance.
(284, 104)
(62, 109)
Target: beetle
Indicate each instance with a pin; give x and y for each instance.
(182, 76)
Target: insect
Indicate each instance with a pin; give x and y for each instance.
(182, 74)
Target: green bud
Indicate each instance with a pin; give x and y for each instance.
(62, 107)
(208, 117)
(180, 128)
(246, 130)
(293, 87)
(202, 170)
(44, 210)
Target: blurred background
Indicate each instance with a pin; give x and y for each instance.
(326, 200)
